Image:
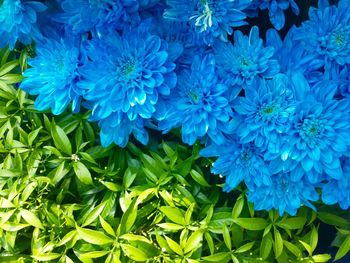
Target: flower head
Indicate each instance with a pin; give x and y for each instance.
(320, 134)
(239, 162)
(327, 32)
(276, 10)
(85, 15)
(265, 113)
(338, 191)
(199, 103)
(53, 75)
(18, 21)
(246, 59)
(213, 19)
(127, 73)
(283, 194)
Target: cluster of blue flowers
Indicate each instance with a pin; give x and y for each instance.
(275, 112)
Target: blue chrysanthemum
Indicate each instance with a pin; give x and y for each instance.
(199, 103)
(283, 194)
(293, 58)
(338, 191)
(276, 10)
(85, 15)
(53, 75)
(210, 18)
(248, 58)
(319, 135)
(127, 74)
(265, 113)
(238, 162)
(327, 32)
(18, 21)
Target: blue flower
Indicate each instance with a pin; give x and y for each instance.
(53, 75)
(283, 194)
(265, 113)
(18, 22)
(238, 162)
(327, 32)
(293, 58)
(127, 73)
(117, 128)
(319, 135)
(199, 103)
(338, 191)
(248, 58)
(210, 18)
(85, 15)
(276, 10)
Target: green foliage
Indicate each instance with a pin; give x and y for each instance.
(64, 198)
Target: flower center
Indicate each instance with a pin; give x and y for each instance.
(245, 62)
(128, 68)
(311, 130)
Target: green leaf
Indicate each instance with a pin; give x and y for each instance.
(93, 236)
(11, 78)
(6, 68)
(343, 249)
(46, 257)
(266, 246)
(227, 237)
(68, 237)
(174, 214)
(278, 244)
(210, 242)
(238, 207)
(174, 246)
(321, 258)
(107, 227)
(332, 219)
(254, 224)
(218, 257)
(313, 238)
(31, 218)
(128, 219)
(13, 227)
(245, 247)
(82, 173)
(199, 178)
(307, 247)
(95, 254)
(170, 226)
(93, 215)
(292, 223)
(61, 139)
(292, 248)
(194, 241)
(134, 253)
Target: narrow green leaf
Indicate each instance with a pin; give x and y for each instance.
(61, 139)
(13, 227)
(199, 178)
(82, 173)
(93, 236)
(227, 237)
(238, 207)
(106, 226)
(292, 223)
(218, 257)
(174, 246)
(134, 253)
(343, 249)
(174, 214)
(266, 246)
(321, 258)
(94, 214)
(245, 247)
(278, 244)
(31, 218)
(194, 241)
(332, 219)
(46, 257)
(128, 219)
(254, 224)
(292, 248)
(95, 254)
(170, 226)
